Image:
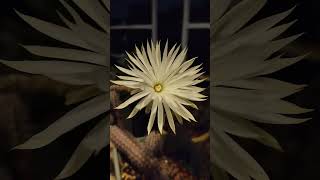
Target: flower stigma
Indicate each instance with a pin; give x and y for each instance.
(158, 88)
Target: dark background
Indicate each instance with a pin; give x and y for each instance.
(24, 113)
(300, 142)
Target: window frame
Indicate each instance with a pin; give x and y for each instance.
(186, 24)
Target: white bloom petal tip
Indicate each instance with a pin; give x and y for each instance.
(164, 79)
(119, 106)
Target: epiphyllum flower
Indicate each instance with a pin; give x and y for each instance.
(166, 83)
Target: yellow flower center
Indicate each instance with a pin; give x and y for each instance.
(157, 87)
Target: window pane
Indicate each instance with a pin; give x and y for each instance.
(199, 46)
(130, 12)
(170, 20)
(124, 40)
(199, 11)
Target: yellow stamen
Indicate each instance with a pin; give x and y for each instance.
(158, 87)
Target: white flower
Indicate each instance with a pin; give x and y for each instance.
(240, 93)
(168, 82)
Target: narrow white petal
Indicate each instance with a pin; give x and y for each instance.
(152, 59)
(144, 59)
(147, 58)
(165, 55)
(178, 61)
(188, 95)
(144, 102)
(175, 108)
(130, 84)
(185, 102)
(160, 117)
(133, 99)
(178, 117)
(143, 76)
(152, 115)
(127, 71)
(148, 108)
(193, 89)
(187, 64)
(130, 78)
(169, 117)
(187, 112)
(137, 63)
(141, 104)
(157, 54)
(172, 58)
(133, 113)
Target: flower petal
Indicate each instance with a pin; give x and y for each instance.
(133, 99)
(169, 117)
(152, 115)
(160, 117)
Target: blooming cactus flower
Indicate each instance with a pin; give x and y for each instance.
(167, 83)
